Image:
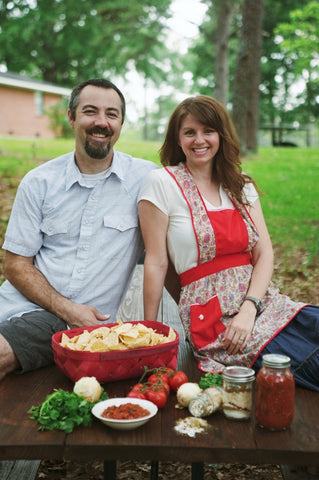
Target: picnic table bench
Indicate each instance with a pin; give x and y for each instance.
(225, 441)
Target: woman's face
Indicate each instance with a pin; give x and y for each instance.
(199, 142)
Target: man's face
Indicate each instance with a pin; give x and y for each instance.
(97, 124)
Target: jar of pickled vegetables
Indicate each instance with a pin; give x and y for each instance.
(275, 393)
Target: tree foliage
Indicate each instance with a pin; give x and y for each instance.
(66, 41)
(298, 41)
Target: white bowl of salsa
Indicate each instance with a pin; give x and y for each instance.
(124, 413)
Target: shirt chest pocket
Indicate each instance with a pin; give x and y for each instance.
(120, 222)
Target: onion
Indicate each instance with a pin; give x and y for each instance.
(187, 392)
(88, 388)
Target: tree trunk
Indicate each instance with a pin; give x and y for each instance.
(224, 18)
(247, 76)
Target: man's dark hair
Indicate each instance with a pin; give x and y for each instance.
(97, 82)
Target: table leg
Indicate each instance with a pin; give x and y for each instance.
(154, 470)
(197, 471)
(109, 470)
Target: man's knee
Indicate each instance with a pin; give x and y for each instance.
(8, 359)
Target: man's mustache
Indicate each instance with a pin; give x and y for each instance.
(100, 131)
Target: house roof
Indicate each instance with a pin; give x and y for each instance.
(14, 80)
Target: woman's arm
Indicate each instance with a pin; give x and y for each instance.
(239, 330)
(154, 225)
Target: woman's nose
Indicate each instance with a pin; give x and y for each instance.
(199, 138)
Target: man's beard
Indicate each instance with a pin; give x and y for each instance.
(97, 151)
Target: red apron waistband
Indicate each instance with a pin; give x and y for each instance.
(214, 266)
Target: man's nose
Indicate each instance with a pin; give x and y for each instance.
(102, 120)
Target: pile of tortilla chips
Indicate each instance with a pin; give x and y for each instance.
(122, 336)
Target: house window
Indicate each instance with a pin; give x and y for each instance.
(38, 99)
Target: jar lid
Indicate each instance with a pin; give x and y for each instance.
(238, 374)
(276, 360)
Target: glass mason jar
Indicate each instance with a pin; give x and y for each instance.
(275, 393)
(237, 392)
(207, 402)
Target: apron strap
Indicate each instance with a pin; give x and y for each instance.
(219, 263)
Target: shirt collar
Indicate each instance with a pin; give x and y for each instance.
(74, 175)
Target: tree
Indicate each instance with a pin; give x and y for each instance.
(298, 41)
(274, 94)
(212, 56)
(224, 19)
(247, 76)
(66, 41)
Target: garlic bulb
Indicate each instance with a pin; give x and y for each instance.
(88, 388)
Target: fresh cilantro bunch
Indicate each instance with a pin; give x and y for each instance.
(63, 410)
(211, 380)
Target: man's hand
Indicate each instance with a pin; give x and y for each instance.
(78, 316)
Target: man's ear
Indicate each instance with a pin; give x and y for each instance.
(71, 121)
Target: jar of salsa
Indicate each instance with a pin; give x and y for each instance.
(275, 393)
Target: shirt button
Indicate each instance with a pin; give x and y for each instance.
(201, 317)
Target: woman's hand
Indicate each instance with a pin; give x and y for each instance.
(238, 332)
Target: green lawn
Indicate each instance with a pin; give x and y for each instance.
(287, 176)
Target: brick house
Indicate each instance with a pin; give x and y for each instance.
(23, 102)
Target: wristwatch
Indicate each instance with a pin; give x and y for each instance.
(257, 303)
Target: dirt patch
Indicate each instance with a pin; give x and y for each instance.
(167, 471)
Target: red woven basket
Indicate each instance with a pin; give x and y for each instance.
(114, 365)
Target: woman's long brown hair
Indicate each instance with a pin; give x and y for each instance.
(226, 169)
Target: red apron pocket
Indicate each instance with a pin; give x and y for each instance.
(205, 322)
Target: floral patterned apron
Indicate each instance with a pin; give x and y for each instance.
(213, 291)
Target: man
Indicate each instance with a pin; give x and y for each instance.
(73, 237)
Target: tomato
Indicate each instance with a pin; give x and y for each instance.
(177, 380)
(139, 387)
(136, 394)
(157, 396)
(160, 380)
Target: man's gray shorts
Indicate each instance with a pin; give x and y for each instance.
(30, 337)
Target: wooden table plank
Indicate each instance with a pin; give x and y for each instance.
(19, 435)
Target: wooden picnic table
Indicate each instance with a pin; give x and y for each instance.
(226, 441)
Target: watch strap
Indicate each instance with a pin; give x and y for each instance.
(256, 301)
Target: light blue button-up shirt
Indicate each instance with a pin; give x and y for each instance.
(85, 239)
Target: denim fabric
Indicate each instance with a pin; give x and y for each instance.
(299, 340)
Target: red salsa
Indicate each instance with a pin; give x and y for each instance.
(274, 398)
(126, 411)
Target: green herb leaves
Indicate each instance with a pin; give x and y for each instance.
(210, 380)
(63, 410)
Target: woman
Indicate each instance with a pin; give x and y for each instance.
(203, 214)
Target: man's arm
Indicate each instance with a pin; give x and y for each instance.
(25, 277)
